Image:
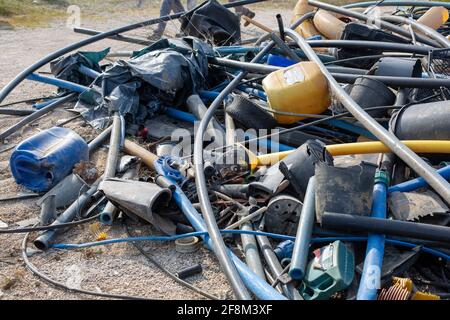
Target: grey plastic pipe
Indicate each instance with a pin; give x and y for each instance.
(304, 232)
(276, 268)
(429, 32)
(219, 247)
(198, 109)
(250, 247)
(99, 140)
(43, 241)
(398, 3)
(366, 18)
(439, 184)
(249, 244)
(110, 210)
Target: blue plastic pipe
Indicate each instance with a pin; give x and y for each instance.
(180, 115)
(257, 285)
(235, 50)
(417, 183)
(58, 83)
(208, 95)
(328, 132)
(188, 117)
(351, 127)
(88, 72)
(83, 69)
(254, 92)
(371, 275)
(41, 105)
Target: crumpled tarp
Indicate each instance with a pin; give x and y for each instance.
(165, 73)
(66, 68)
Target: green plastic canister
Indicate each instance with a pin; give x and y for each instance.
(332, 270)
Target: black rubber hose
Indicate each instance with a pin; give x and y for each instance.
(16, 112)
(35, 115)
(54, 55)
(61, 285)
(50, 227)
(400, 82)
(166, 271)
(358, 44)
(24, 101)
(114, 37)
(383, 226)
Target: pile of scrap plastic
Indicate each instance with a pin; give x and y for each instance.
(312, 160)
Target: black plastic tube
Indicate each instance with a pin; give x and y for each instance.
(280, 26)
(35, 115)
(118, 37)
(337, 73)
(388, 227)
(16, 112)
(56, 54)
(358, 44)
(400, 82)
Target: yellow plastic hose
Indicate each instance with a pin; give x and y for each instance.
(418, 146)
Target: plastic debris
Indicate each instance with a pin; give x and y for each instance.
(312, 160)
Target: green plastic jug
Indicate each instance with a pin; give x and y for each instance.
(332, 270)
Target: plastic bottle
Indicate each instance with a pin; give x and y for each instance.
(305, 29)
(41, 161)
(300, 88)
(329, 25)
(434, 17)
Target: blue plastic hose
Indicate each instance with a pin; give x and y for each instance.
(58, 83)
(351, 127)
(371, 275)
(418, 183)
(65, 246)
(188, 117)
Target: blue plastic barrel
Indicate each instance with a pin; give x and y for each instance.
(41, 161)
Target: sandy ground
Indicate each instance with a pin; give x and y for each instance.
(120, 268)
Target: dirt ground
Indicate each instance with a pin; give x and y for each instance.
(119, 268)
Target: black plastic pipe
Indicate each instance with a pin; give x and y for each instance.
(358, 44)
(417, 230)
(35, 115)
(16, 112)
(117, 37)
(339, 75)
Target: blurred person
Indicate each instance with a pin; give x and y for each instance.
(175, 6)
(168, 6)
